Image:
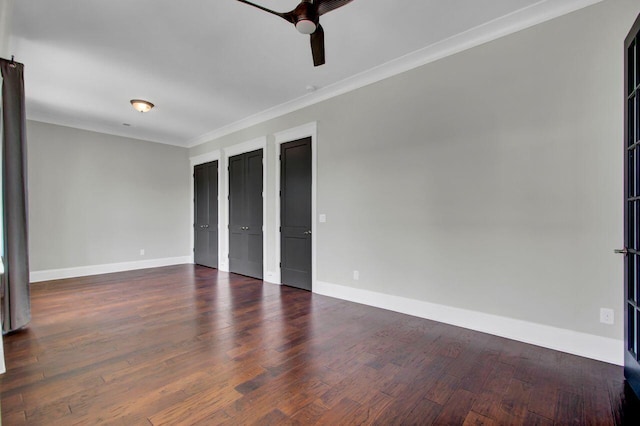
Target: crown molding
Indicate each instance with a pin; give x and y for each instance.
(527, 17)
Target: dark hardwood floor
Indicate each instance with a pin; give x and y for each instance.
(190, 345)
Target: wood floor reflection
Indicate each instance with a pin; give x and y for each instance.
(191, 345)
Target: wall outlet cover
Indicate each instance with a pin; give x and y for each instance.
(606, 316)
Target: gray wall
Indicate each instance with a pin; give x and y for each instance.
(97, 199)
(490, 180)
(6, 7)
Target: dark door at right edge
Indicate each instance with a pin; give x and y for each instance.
(205, 226)
(295, 213)
(632, 208)
(245, 214)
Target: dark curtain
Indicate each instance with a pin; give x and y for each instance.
(16, 306)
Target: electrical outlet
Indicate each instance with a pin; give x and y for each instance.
(356, 275)
(606, 316)
(141, 252)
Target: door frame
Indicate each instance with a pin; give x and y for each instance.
(241, 148)
(196, 161)
(289, 135)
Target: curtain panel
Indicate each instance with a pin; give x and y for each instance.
(16, 305)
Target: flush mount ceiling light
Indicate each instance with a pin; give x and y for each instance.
(141, 105)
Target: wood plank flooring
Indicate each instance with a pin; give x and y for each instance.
(187, 345)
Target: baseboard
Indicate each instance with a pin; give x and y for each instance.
(3, 368)
(83, 271)
(569, 341)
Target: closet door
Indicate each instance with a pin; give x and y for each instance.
(205, 223)
(295, 213)
(245, 214)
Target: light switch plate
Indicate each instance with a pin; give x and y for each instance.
(322, 218)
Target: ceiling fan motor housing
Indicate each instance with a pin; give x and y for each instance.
(306, 17)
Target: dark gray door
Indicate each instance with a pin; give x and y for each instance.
(632, 208)
(205, 223)
(295, 213)
(245, 214)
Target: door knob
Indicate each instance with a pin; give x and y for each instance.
(621, 251)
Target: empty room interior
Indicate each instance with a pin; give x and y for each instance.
(368, 212)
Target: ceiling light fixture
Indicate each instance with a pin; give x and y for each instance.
(306, 26)
(141, 105)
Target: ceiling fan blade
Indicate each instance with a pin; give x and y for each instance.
(324, 6)
(288, 16)
(317, 46)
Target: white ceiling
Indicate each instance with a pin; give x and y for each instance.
(210, 64)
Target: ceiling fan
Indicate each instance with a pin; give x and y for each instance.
(306, 18)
